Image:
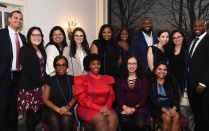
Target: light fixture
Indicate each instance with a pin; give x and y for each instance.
(71, 26)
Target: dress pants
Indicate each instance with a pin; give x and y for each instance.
(200, 107)
(8, 103)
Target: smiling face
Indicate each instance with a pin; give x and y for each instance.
(163, 38)
(95, 66)
(132, 65)
(36, 38)
(15, 21)
(107, 33)
(177, 38)
(146, 25)
(78, 37)
(161, 71)
(199, 27)
(57, 37)
(124, 35)
(61, 67)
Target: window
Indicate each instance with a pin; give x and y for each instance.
(4, 15)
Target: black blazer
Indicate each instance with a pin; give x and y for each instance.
(6, 56)
(153, 96)
(199, 64)
(30, 78)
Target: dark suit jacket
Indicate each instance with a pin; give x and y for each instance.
(139, 47)
(6, 56)
(31, 72)
(199, 64)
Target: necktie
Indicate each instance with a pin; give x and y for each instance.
(193, 45)
(17, 51)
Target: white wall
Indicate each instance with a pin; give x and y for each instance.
(49, 13)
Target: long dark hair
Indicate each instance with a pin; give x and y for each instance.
(84, 44)
(51, 42)
(171, 45)
(170, 80)
(30, 31)
(124, 73)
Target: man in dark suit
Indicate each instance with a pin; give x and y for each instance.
(143, 40)
(10, 70)
(197, 60)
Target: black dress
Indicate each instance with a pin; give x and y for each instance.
(177, 68)
(59, 86)
(158, 55)
(110, 54)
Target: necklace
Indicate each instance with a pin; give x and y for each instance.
(131, 83)
(94, 76)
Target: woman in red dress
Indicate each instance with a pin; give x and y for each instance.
(95, 96)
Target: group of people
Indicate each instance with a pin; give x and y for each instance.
(144, 76)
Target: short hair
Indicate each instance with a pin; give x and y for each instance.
(16, 11)
(59, 57)
(88, 59)
(145, 18)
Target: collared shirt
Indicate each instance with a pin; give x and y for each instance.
(149, 39)
(200, 38)
(12, 37)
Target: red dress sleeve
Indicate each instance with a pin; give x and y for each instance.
(81, 87)
(110, 80)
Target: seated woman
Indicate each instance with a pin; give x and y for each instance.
(131, 95)
(164, 97)
(95, 96)
(58, 98)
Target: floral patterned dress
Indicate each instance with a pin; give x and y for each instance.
(31, 99)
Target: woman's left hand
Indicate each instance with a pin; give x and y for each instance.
(66, 110)
(105, 111)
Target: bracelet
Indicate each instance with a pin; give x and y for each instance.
(137, 106)
(69, 105)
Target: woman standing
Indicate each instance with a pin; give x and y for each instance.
(108, 50)
(33, 61)
(131, 96)
(176, 53)
(95, 96)
(76, 52)
(156, 52)
(124, 42)
(164, 97)
(54, 47)
(58, 98)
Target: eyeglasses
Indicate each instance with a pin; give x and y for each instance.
(131, 64)
(36, 35)
(61, 65)
(59, 35)
(77, 36)
(178, 37)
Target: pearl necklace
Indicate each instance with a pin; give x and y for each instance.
(94, 76)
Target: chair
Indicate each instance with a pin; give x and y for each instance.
(184, 123)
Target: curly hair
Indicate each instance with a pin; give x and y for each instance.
(88, 59)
